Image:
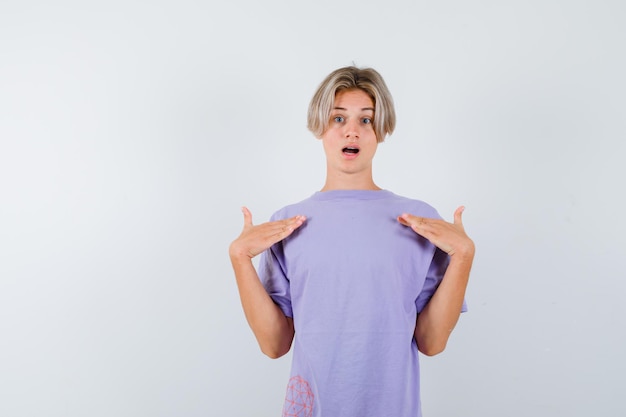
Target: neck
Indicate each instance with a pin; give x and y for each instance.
(349, 182)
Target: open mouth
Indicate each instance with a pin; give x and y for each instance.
(350, 150)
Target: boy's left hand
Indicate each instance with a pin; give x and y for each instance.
(449, 237)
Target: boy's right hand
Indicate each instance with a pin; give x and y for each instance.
(255, 239)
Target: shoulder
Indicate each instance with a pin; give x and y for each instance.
(413, 206)
(384, 200)
(291, 210)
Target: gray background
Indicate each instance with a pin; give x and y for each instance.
(132, 132)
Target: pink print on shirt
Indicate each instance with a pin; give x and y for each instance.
(299, 399)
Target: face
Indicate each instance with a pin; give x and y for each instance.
(350, 141)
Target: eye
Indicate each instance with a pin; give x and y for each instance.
(338, 119)
(367, 120)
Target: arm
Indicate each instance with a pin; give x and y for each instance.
(437, 320)
(274, 332)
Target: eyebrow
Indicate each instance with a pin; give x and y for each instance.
(343, 108)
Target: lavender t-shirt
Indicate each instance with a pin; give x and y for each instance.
(353, 279)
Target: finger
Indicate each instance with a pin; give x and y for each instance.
(279, 227)
(287, 228)
(403, 221)
(288, 222)
(297, 219)
(458, 216)
(410, 220)
(294, 222)
(416, 223)
(247, 217)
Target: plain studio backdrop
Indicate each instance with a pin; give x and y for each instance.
(133, 132)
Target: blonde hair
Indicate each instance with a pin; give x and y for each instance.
(352, 78)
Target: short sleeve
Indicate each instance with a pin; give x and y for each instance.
(274, 279)
(436, 270)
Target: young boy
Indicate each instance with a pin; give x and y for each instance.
(364, 277)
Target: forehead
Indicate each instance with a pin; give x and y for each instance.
(349, 99)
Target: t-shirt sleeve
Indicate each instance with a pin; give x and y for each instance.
(436, 270)
(274, 279)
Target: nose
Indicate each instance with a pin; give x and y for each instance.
(352, 130)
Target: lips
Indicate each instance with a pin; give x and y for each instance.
(350, 150)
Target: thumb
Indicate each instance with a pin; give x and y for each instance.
(457, 216)
(247, 217)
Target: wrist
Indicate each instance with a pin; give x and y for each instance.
(238, 254)
(464, 253)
